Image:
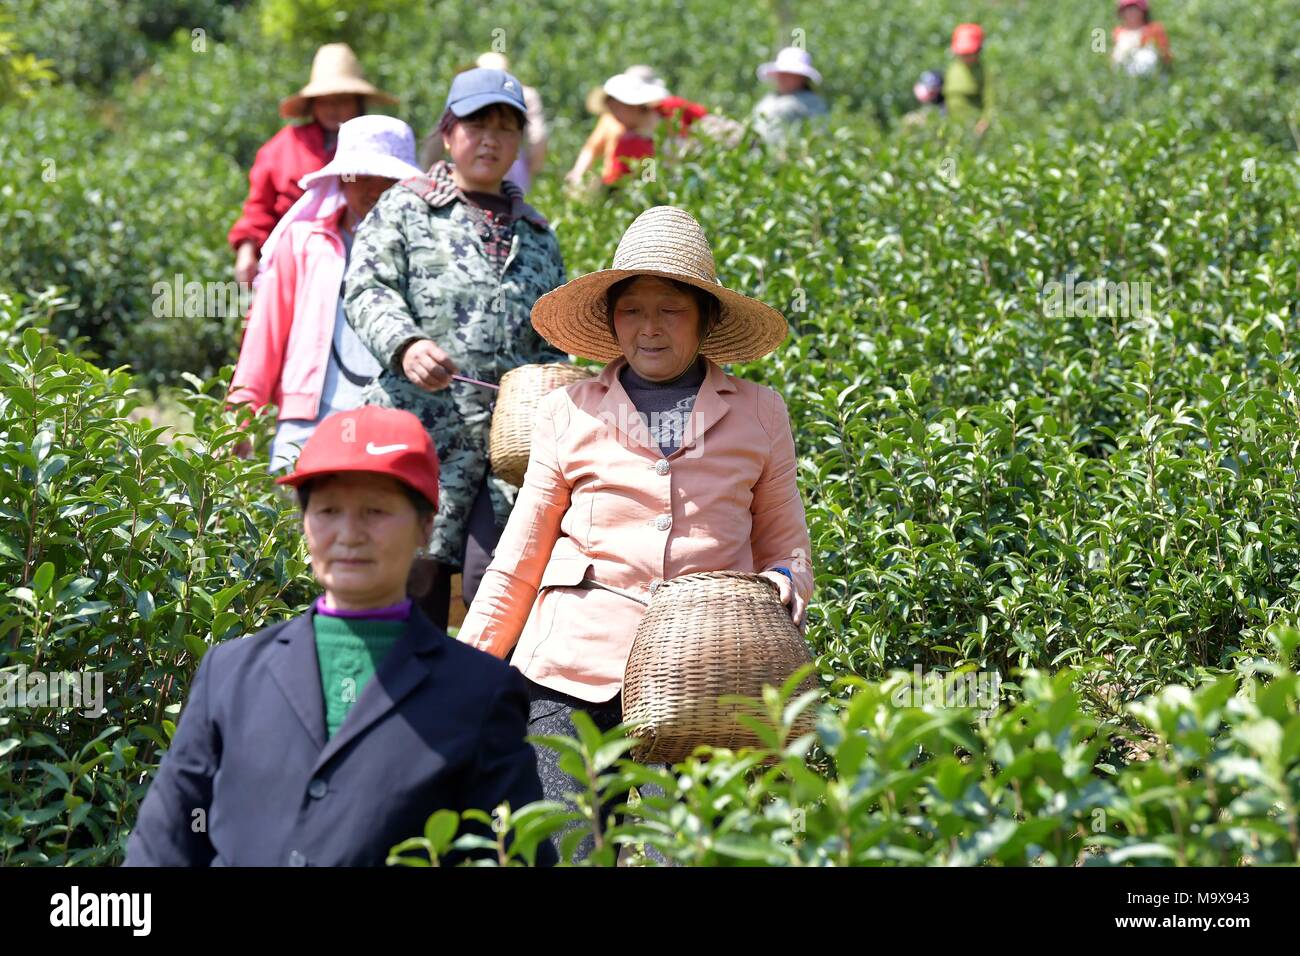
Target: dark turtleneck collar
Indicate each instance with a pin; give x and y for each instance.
(693, 377)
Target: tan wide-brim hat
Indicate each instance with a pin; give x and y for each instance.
(334, 69)
(663, 241)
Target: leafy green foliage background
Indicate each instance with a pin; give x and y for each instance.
(1101, 508)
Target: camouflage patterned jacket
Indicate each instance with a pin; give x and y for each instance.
(420, 269)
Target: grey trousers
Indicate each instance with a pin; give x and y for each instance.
(550, 712)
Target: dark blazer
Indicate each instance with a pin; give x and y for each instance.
(440, 725)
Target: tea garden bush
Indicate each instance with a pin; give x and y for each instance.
(1038, 783)
(156, 127)
(1093, 499)
(122, 553)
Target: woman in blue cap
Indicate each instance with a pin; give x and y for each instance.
(442, 281)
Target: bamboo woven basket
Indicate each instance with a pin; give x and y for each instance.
(512, 418)
(705, 636)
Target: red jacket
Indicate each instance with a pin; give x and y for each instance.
(686, 111)
(273, 187)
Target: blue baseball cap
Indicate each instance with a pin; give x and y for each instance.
(474, 89)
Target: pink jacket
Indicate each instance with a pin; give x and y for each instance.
(599, 502)
(286, 346)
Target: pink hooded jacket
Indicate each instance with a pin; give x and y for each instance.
(286, 345)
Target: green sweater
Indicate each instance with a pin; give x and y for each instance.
(967, 92)
(349, 650)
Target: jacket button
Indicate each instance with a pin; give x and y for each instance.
(662, 467)
(318, 788)
(297, 859)
(663, 522)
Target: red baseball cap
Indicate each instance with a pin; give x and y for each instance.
(386, 441)
(1140, 4)
(967, 38)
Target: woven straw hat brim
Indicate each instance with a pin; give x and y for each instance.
(573, 318)
(298, 106)
(595, 101)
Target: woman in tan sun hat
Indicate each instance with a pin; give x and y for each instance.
(662, 465)
(336, 92)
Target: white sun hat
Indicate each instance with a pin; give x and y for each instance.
(371, 146)
(367, 146)
(791, 60)
(635, 90)
(595, 101)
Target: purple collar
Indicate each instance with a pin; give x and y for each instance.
(394, 612)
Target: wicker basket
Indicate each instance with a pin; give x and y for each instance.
(512, 419)
(705, 636)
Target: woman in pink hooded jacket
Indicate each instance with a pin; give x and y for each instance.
(299, 353)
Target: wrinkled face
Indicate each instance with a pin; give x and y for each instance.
(657, 327)
(483, 145)
(363, 192)
(362, 533)
(788, 82)
(336, 109)
(633, 117)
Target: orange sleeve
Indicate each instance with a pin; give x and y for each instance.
(1155, 33)
(779, 533)
(506, 594)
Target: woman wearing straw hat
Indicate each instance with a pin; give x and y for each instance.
(327, 739)
(336, 92)
(443, 277)
(298, 350)
(662, 465)
(793, 103)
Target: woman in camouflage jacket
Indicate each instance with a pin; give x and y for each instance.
(442, 280)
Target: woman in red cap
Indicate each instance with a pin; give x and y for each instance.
(1139, 44)
(966, 88)
(329, 738)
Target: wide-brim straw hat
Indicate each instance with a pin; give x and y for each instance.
(667, 242)
(334, 69)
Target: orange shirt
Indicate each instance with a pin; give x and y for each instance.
(1151, 33)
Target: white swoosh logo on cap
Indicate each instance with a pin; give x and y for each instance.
(373, 449)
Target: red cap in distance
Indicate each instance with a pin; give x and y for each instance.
(967, 38)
